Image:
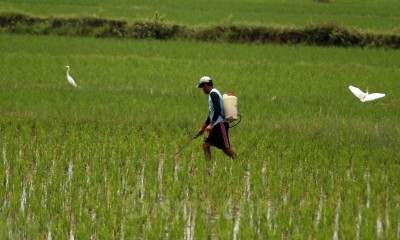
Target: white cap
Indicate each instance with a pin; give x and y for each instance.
(203, 80)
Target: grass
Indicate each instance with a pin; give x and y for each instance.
(368, 15)
(99, 161)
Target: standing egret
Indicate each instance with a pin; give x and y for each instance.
(70, 79)
(365, 97)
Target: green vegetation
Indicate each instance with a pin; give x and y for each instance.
(115, 159)
(332, 23)
(321, 35)
(98, 161)
(365, 16)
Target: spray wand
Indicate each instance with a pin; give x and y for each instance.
(186, 144)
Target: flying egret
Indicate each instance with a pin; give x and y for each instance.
(70, 79)
(365, 97)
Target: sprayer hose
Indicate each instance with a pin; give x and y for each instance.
(240, 119)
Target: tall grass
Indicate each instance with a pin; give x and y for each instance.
(99, 161)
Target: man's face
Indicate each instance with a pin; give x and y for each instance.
(205, 88)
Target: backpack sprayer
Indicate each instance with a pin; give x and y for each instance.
(231, 115)
(230, 106)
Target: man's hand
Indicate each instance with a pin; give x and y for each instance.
(209, 127)
(200, 131)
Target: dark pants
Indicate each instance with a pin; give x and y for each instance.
(218, 137)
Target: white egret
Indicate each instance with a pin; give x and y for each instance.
(70, 79)
(365, 97)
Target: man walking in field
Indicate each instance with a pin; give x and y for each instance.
(215, 125)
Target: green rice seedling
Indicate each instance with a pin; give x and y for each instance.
(99, 161)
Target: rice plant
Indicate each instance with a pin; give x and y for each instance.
(99, 161)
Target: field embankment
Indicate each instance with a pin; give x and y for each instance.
(314, 35)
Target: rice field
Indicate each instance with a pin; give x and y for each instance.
(99, 162)
(367, 15)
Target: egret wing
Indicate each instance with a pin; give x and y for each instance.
(374, 96)
(71, 81)
(357, 92)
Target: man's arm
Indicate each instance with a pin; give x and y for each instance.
(209, 123)
(208, 120)
(203, 128)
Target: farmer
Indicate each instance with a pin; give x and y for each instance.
(215, 123)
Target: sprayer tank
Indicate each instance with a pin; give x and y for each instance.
(230, 106)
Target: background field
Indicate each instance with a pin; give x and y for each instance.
(369, 15)
(99, 161)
